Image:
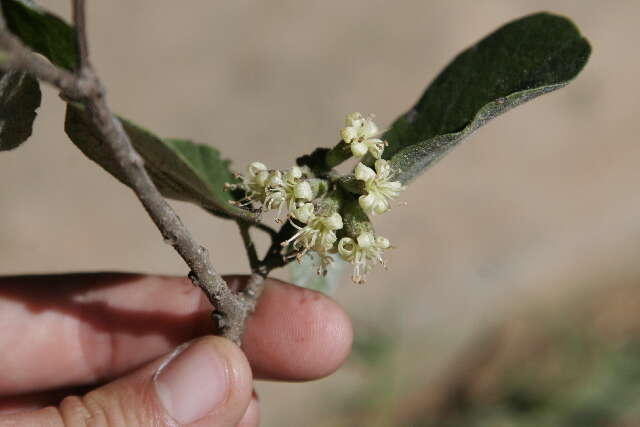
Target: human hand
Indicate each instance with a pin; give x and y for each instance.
(105, 349)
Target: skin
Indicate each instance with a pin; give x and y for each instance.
(82, 349)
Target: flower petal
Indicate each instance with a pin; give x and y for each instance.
(382, 168)
(346, 248)
(302, 190)
(304, 213)
(366, 240)
(369, 128)
(333, 222)
(367, 202)
(364, 173)
(358, 149)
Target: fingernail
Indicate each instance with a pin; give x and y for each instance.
(192, 382)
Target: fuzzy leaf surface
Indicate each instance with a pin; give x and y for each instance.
(181, 169)
(520, 61)
(19, 99)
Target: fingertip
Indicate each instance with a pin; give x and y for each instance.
(251, 417)
(296, 334)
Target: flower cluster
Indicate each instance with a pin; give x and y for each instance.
(379, 187)
(364, 249)
(319, 232)
(274, 189)
(360, 133)
(317, 222)
(291, 190)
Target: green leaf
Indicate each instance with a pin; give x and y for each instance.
(19, 99)
(524, 59)
(181, 169)
(41, 31)
(305, 274)
(19, 93)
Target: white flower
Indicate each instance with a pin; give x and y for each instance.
(254, 183)
(318, 234)
(275, 193)
(276, 189)
(361, 251)
(380, 189)
(255, 180)
(295, 188)
(360, 133)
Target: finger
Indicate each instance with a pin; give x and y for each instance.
(33, 401)
(296, 334)
(68, 330)
(206, 382)
(251, 417)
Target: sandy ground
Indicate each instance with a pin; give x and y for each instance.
(548, 191)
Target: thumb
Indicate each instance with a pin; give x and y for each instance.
(207, 380)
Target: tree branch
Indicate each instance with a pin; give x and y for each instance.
(259, 269)
(82, 43)
(264, 227)
(252, 254)
(17, 56)
(85, 87)
(274, 258)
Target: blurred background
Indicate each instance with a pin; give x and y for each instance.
(513, 297)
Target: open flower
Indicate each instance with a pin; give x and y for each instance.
(275, 193)
(379, 187)
(319, 233)
(360, 133)
(295, 189)
(361, 252)
(275, 189)
(255, 180)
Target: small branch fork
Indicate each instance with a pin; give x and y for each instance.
(232, 309)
